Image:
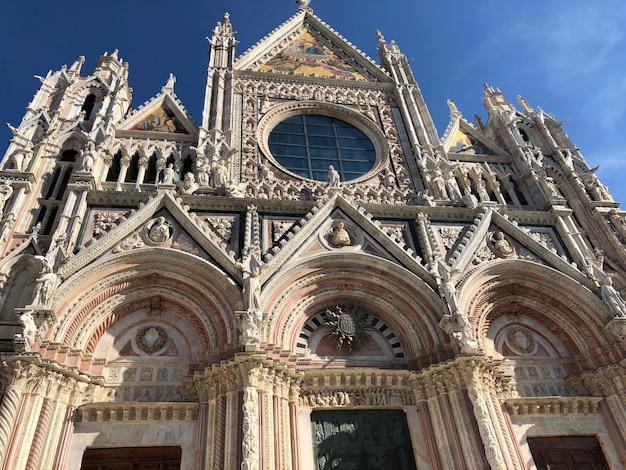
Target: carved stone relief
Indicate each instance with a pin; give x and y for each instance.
(348, 327)
(340, 234)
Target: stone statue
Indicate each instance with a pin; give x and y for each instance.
(45, 283)
(427, 199)
(266, 172)
(220, 175)
(160, 231)
(340, 236)
(189, 184)
(459, 328)
(168, 174)
(203, 173)
(29, 329)
(501, 246)
(6, 191)
(88, 159)
(251, 269)
(333, 177)
(611, 297)
(389, 181)
(251, 322)
(619, 223)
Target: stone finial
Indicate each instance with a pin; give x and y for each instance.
(303, 4)
(524, 104)
(454, 112)
(169, 85)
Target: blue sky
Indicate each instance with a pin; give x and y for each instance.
(567, 56)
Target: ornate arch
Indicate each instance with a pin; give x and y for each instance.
(574, 314)
(92, 300)
(303, 289)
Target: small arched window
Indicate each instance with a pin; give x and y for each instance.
(88, 105)
(114, 169)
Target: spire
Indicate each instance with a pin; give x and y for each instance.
(524, 104)
(76, 66)
(108, 66)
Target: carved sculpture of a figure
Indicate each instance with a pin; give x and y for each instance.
(251, 270)
(160, 231)
(45, 283)
(203, 172)
(501, 246)
(189, 184)
(611, 297)
(333, 177)
(168, 174)
(220, 175)
(89, 158)
(340, 236)
(29, 329)
(6, 191)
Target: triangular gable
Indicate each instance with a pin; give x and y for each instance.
(28, 247)
(316, 51)
(483, 237)
(162, 118)
(196, 233)
(462, 139)
(314, 229)
(306, 55)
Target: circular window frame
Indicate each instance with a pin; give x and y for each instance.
(278, 114)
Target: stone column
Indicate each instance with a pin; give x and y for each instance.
(143, 165)
(485, 425)
(8, 414)
(41, 432)
(124, 164)
(250, 430)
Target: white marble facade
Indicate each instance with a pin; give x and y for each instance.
(413, 301)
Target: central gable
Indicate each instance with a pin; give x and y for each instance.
(306, 55)
(307, 47)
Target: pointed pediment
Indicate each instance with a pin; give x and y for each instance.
(161, 223)
(28, 247)
(343, 228)
(305, 46)
(494, 237)
(461, 138)
(161, 118)
(306, 55)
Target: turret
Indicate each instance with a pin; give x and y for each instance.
(218, 93)
(419, 123)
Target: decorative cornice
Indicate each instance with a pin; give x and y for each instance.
(148, 413)
(553, 406)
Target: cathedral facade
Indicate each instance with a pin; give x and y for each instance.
(311, 278)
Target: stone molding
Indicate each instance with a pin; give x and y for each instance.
(135, 413)
(553, 406)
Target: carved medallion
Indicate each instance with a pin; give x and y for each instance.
(158, 231)
(348, 327)
(341, 234)
(521, 341)
(151, 339)
(501, 246)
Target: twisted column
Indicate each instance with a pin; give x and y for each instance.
(8, 414)
(485, 426)
(39, 438)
